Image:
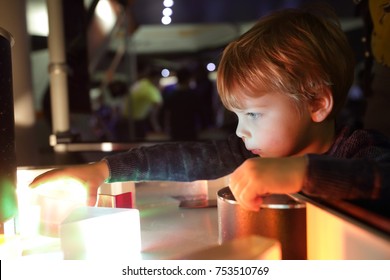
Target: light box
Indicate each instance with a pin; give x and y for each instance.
(99, 233)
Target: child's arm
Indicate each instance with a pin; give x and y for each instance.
(357, 178)
(179, 161)
(166, 162)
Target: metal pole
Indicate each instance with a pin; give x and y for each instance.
(58, 71)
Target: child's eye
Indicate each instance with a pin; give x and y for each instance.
(253, 115)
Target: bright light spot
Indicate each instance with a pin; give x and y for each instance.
(168, 3)
(166, 20)
(165, 73)
(107, 147)
(28, 214)
(167, 12)
(106, 15)
(26, 115)
(211, 66)
(56, 200)
(66, 188)
(37, 20)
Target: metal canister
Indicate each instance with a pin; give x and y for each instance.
(8, 201)
(280, 217)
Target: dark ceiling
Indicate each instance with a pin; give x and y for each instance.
(213, 11)
(149, 12)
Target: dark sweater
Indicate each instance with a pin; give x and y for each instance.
(357, 166)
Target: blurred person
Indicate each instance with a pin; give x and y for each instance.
(143, 104)
(183, 108)
(108, 118)
(205, 90)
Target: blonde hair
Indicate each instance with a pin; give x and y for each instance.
(291, 51)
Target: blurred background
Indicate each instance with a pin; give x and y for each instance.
(110, 45)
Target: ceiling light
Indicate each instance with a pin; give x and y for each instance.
(167, 12)
(168, 3)
(166, 20)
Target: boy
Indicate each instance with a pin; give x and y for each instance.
(285, 79)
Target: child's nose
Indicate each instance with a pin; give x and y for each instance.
(241, 131)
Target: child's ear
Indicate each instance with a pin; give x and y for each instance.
(322, 106)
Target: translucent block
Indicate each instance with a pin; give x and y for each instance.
(99, 233)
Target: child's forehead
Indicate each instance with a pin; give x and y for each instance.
(239, 94)
(252, 94)
(256, 99)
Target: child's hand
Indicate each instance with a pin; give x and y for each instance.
(260, 176)
(92, 175)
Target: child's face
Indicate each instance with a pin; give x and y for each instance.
(272, 126)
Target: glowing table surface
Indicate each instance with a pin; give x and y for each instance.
(167, 230)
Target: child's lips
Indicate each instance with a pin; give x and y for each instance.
(256, 151)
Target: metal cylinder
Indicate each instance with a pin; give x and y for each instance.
(280, 217)
(8, 201)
